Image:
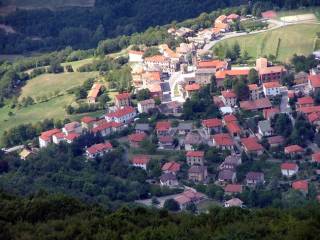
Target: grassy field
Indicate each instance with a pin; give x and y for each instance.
(314, 10)
(283, 42)
(48, 84)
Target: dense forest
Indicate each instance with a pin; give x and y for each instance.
(44, 216)
(83, 28)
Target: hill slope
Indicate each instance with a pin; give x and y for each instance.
(283, 42)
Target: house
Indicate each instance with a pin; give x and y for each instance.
(221, 75)
(58, 138)
(301, 185)
(254, 91)
(254, 178)
(197, 173)
(233, 189)
(191, 88)
(105, 128)
(184, 128)
(146, 105)
(135, 139)
(309, 110)
(195, 158)
(189, 196)
(94, 93)
(171, 108)
(203, 76)
(141, 161)
(234, 129)
(171, 167)
(122, 100)
(135, 56)
(71, 137)
(166, 142)
(168, 180)
(271, 89)
(192, 139)
(256, 105)
(301, 78)
(72, 127)
(46, 137)
(293, 150)
(229, 98)
(234, 202)
(305, 102)
(159, 62)
(87, 122)
(229, 118)
(163, 128)
(212, 125)
(233, 159)
(269, 73)
(251, 145)
(98, 150)
(223, 141)
(264, 128)
(227, 176)
(275, 141)
(289, 169)
(142, 128)
(269, 113)
(123, 115)
(314, 82)
(315, 157)
(233, 17)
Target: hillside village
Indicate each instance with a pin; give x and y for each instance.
(230, 125)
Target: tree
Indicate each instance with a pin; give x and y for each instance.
(213, 84)
(241, 89)
(288, 79)
(253, 76)
(152, 51)
(143, 94)
(55, 67)
(191, 207)
(155, 201)
(236, 50)
(69, 68)
(282, 124)
(228, 82)
(171, 205)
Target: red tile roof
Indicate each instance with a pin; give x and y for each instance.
(192, 87)
(137, 137)
(233, 188)
(48, 134)
(123, 96)
(223, 139)
(72, 136)
(59, 135)
(195, 154)
(156, 58)
(305, 100)
(289, 166)
(316, 157)
(270, 112)
(152, 75)
(165, 139)
(212, 123)
(223, 73)
(251, 144)
(273, 69)
(93, 93)
(291, 94)
(141, 159)
(271, 85)
(293, 149)
(106, 125)
(307, 110)
(253, 87)
(121, 112)
(312, 117)
(100, 147)
(233, 16)
(88, 119)
(256, 105)
(300, 185)
(136, 52)
(228, 94)
(314, 80)
(276, 140)
(229, 118)
(233, 127)
(163, 126)
(212, 64)
(171, 167)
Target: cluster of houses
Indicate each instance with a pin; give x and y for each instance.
(172, 78)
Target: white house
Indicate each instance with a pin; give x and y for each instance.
(141, 161)
(146, 105)
(264, 128)
(47, 137)
(271, 89)
(136, 56)
(229, 98)
(168, 180)
(72, 127)
(123, 115)
(289, 169)
(98, 150)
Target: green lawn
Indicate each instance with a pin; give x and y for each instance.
(315, 10)
(49, 84)
(292, 39)
(76, 64)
